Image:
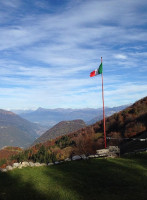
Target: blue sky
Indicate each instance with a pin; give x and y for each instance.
(49, 47)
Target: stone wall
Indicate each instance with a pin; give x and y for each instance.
(112, 151)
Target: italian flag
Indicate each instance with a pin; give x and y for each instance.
(97, 71)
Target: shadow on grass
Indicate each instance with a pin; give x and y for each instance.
(96, 179)
(103, 179)
(140, 158)
(15, 186)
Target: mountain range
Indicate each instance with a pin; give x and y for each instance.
(17, 130)
(50, 117)
(127, 129)
(130, 123)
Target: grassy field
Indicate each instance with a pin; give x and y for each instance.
(95, 179)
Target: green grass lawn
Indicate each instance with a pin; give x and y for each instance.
(95, 179)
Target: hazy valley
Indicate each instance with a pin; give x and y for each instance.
(22, 129)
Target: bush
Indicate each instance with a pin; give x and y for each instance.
(64, 142)
(3, 161)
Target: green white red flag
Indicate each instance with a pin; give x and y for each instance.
(97, 71)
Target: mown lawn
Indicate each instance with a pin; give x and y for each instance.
(95, 179)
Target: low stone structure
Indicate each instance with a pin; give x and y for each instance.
(21, 165)
(102, 152)
(111, 151)
(114, 150)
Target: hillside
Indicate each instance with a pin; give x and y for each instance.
(6, 152)
(50, 117)
(129, 123)
(121, 178)
(16, 131)
(62, 128)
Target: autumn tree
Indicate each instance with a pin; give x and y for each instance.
(84, 144)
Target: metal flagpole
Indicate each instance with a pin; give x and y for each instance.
(103, 109)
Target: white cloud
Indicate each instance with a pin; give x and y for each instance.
(10, 3)
(46, 58)
(120, 56)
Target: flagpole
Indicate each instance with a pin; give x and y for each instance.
(103, 109)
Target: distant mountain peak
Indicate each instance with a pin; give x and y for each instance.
(40, 109)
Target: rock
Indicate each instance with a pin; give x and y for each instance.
(102, 152)
(114, 151)
(43, 164)
(67, 159)
(31, 164)
(37, 164)
(96, 156)
(91, 156)
(25, 164)
(77, 157)
(49, 164)
(83, 157)
(56, 163)
(8, 168)
(3, 170)
(15, 165)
